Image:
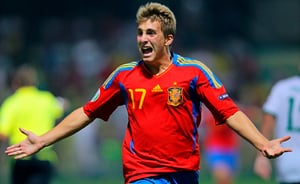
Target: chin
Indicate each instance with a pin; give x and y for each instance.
(147, 58)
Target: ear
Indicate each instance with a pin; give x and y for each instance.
(169, 40)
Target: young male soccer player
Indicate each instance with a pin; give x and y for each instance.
(163, 93)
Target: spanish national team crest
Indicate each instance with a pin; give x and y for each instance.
(175, 96)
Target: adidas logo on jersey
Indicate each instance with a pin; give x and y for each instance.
(157, 88)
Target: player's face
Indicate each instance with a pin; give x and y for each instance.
(151, 41)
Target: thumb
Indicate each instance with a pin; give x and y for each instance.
(25, 132)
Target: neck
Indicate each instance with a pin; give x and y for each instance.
(160, 66)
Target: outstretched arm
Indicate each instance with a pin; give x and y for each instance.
(33, 143)
(240, 123)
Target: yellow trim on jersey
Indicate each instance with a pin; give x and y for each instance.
(204, 68)
(127, 66)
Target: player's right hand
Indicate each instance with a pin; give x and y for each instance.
(29, 146)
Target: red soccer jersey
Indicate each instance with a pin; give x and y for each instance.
(164, 112)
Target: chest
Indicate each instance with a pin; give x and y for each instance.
(172, 88)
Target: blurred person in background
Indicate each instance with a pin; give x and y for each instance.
(163, 93)
(282, 116)
(90, 60)
(30, 108)
(221, 149)
(222, 146)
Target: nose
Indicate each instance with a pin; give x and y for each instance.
(142, 38)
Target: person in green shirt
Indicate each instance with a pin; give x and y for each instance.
(30, 108)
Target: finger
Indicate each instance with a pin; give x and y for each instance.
(275, 155)
(17, 154)
(25, 132)
(21, 156)
(13, 151)
(283, 139)
(287, 150)
(13, 146)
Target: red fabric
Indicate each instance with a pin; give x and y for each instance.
(218, 137)
(164, 113)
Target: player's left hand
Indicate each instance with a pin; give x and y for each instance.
(273, 148)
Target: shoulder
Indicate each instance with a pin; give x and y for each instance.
(8, 101)
(120, 69)
(126, 66)
(198, 68)
(46, 94)
(186, 61)
(197, 65)
(182, 61)
(287, 82)
(294, 80)
(13, 98)
(283, 86)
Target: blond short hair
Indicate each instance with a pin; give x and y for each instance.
(158, 12)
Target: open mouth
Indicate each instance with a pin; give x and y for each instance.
(146, 50)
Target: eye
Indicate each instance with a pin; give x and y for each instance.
(150, 32)
(139, 32)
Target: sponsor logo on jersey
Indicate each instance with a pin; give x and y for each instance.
(157, 88)
(223, 96)
(175, 96)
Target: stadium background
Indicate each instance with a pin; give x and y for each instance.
(249, 44)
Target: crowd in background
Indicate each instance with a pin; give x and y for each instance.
(74, 56)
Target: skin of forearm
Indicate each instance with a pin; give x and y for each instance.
(241, 124)
(68, 126)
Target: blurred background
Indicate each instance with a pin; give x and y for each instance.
(249, 44)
